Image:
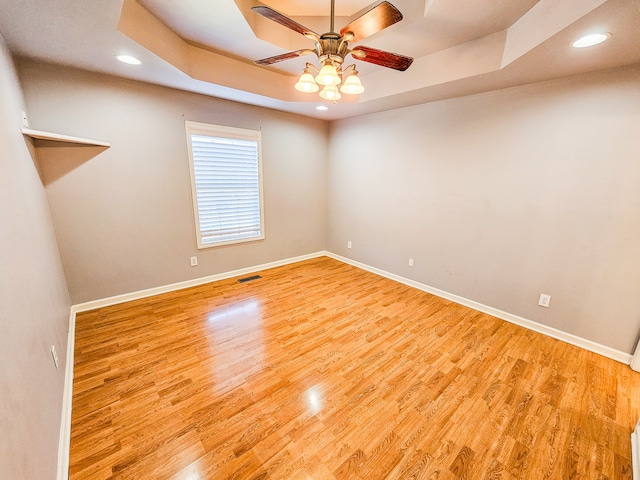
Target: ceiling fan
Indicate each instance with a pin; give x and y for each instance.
(331, 48)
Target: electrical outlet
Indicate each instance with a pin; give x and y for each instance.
(349, 244)
(54, 354)
(411, 262)
(194, 261)
(544, 300)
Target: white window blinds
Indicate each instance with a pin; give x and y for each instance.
(226, 182)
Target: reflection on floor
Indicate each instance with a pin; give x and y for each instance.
(321, 370)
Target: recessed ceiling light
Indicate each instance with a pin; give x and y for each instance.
(128, 59)
(591, 40)
(322, 107)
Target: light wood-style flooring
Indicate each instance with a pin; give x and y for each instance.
(320, 370)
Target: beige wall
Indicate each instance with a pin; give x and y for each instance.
(34, 302)
(498, 197)
(502, 196)
(124, 217)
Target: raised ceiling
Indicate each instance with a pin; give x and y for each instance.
(460, 46)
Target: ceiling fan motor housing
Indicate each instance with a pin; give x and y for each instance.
(332, 46)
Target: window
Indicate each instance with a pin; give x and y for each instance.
(226, 181)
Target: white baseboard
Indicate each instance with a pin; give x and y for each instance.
(635, 363)
(635, 454)
(127, 297)
(509, 317)
(65, 429)
(67, 397)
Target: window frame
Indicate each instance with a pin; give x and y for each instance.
(206, 129)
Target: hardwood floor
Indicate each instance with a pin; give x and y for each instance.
(320, 370)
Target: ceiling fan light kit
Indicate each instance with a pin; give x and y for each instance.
(307, 83)
(331, 93)
(331, 48)
(352, 85)
(328, 75)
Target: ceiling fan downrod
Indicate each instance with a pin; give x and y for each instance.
(333, 15)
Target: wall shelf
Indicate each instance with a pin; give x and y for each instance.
(56, 137)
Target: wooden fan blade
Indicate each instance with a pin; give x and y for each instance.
(283, 20)
(382, 58)
(279, 58)
(372, 21)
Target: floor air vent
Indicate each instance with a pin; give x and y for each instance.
(248, 279)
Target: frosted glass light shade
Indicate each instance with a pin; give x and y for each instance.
(352, 85)
(306, 83)
(328, 75)
(330, 92)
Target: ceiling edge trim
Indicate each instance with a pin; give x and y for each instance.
(139, 24)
